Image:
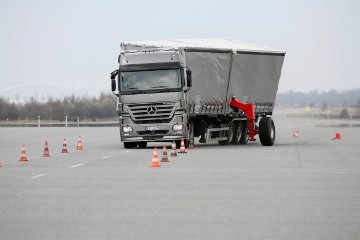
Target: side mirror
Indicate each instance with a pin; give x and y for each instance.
(113, 85)
(113, 82)
(188, 78)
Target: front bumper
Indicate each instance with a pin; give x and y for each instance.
(164, 132)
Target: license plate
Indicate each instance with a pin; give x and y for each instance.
(152, 128)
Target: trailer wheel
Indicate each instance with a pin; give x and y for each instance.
(240, 133)
(267, 131)
(231, 136)
(129, 144)
(244, 138)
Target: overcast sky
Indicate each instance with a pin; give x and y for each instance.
(77, 42)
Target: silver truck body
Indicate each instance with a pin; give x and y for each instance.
(220, 70)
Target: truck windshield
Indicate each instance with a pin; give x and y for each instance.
(153, 80)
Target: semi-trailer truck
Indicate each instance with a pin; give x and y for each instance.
(216, 89)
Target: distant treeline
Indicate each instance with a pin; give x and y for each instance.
(102, 107)
(316, 98)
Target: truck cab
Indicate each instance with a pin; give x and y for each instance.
(151, 88)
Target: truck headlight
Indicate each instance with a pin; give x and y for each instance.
(127, 129)
(177, 127)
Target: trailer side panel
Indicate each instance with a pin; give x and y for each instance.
(210, 77)
(255, 77)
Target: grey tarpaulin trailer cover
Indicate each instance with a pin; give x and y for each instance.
(214, 73)
(223, 68)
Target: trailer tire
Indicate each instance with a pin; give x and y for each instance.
(231, 136)
(267, 131)
(244, 138)
(129, 144)
(240, 137)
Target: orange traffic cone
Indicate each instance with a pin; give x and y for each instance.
(64, 149)
(155, 160)
(296, 134)
(23, 154)
(173, 149)
(182, 146)
(46, 150)
(337, 136)
(1, 165)
(164, 157)
(191, 143)
(79, 144)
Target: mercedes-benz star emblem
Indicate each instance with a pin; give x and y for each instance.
(151, 110)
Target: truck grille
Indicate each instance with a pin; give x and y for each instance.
(152, 113)
(161, 132)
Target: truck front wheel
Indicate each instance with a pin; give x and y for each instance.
(186, 143)
(142, 144)
(178, 144)
(129, 144)
(267, 131)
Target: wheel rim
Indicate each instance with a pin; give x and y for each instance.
(272, 132)
(239, 133)
(231, 133)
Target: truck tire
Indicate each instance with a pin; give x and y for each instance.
(244, 138)
(142, 144)
(178, 144)
(187, 143)
(231, 136)
(129, 144)
(267, 131)
(240, 137)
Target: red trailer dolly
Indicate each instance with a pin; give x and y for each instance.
(248, 109)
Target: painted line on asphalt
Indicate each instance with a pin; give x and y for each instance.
(127, 151)
(106, 157)
(40, 175)
(77, 165)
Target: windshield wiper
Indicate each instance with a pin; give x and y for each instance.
(163, 88)
(160, 87)
(133, 89)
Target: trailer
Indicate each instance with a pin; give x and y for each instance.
(216, 89)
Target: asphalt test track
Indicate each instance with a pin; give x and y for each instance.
(301, 188)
